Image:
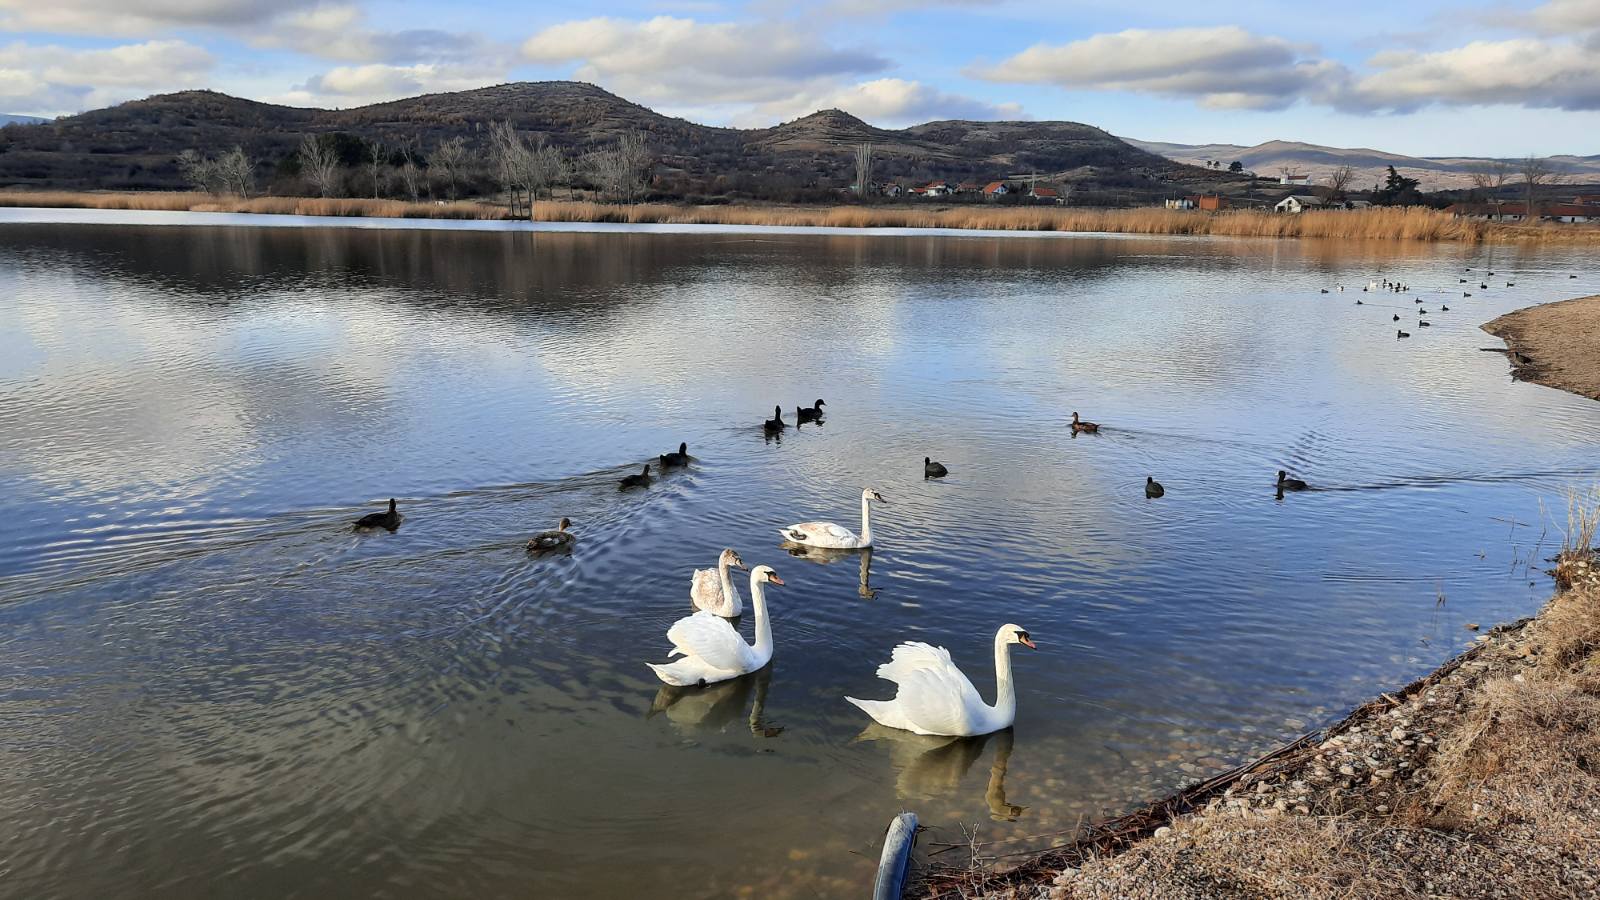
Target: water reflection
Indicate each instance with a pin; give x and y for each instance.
(190, 419)
(716, 706)
(933, 766)
(828, 556)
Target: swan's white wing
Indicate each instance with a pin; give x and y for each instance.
(710, 637)
(823, 534)
(934, 696)
(706, 588)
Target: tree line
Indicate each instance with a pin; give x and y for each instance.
(523, 167)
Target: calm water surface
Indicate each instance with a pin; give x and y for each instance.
(213, 685)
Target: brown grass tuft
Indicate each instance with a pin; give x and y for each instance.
(1388, 224)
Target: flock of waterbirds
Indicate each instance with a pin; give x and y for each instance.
(933, 696)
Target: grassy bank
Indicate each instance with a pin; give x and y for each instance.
(1555, 344)
(1368, 224)
(1481, 780)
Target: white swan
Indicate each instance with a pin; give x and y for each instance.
(935, 698)
(835, 537)
(712, 650)
(714, 591)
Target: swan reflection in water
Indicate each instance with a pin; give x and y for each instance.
(828, 557)
(931, 766)
(719, 705)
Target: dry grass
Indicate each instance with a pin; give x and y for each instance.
(179, 201)
(1386, 224)
(1577, 556)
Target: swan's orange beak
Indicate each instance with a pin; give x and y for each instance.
(1027, 641)
(774, 578)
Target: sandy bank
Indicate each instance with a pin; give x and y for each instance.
(1481, 780)
(1556, 344)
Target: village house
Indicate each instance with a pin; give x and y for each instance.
(937, 189)
(1181, 203)
(1295, 179)
(1207, 202)
(1298, 203)
(1045, 194)
(995, 189)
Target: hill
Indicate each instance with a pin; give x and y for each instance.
(10, 119)
(1435, 173)
(134, 145)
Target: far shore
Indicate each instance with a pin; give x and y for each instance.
(1388, 223)
(1555, 344)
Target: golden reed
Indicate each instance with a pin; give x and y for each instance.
(1386, 223)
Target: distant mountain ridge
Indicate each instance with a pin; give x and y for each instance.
(1435, 173)
(12, 119)
(134, 145)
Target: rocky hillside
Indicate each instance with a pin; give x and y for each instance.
(133, 146)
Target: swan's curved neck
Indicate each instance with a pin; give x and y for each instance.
(727, 581)
(758, 599)
(866, 522)
(1005, 693)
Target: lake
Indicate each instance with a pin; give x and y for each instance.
(214, 684)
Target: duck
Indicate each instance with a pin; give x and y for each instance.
(1285, 483)
(1462, 280)
(1424, 323)
(1422, 312)
(809, 413)
(1465, 294)
(681, 458)
(933, 696)
(1078, 426)
(389, 520)
(1324, 290)
(546, 541)
(776, 423)
(1443, 308)
(714, 591)
(1153, 488)
(828, 536)
(1511, 284)
(1397, 317)
(642, 479)
(1417, 300)
(1401, 334)
(1572, 276)
(1491, 273)
(1483, 287)
(1359, 303)
(712, 649)
(931, 469)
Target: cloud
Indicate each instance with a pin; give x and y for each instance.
(51, 80)
(684, 61)
(339, 32)
(886, 102)
(1524, 71)
(1566, 16)
(1228, 67)
(1223, 67)
(138, 17)
(346, 86)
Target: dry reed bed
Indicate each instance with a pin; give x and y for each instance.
(1387, 224)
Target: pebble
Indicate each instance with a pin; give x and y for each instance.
(1347, 769)
(1399, 734)
(1163, 831)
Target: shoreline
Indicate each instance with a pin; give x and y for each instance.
(1440, 788)
(1554, 344)
(1377, 223)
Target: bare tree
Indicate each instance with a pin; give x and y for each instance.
(1536, 172)
(1490, 178)
(319, 163)
(201, 172)
(375, 160)
(510, 153)
(547, 167)
(1339, 180)
(863, 169)
(450, 160)
(410, 173)
(620, 171)
(237, 172)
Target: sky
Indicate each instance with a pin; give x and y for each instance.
(1421, 77)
